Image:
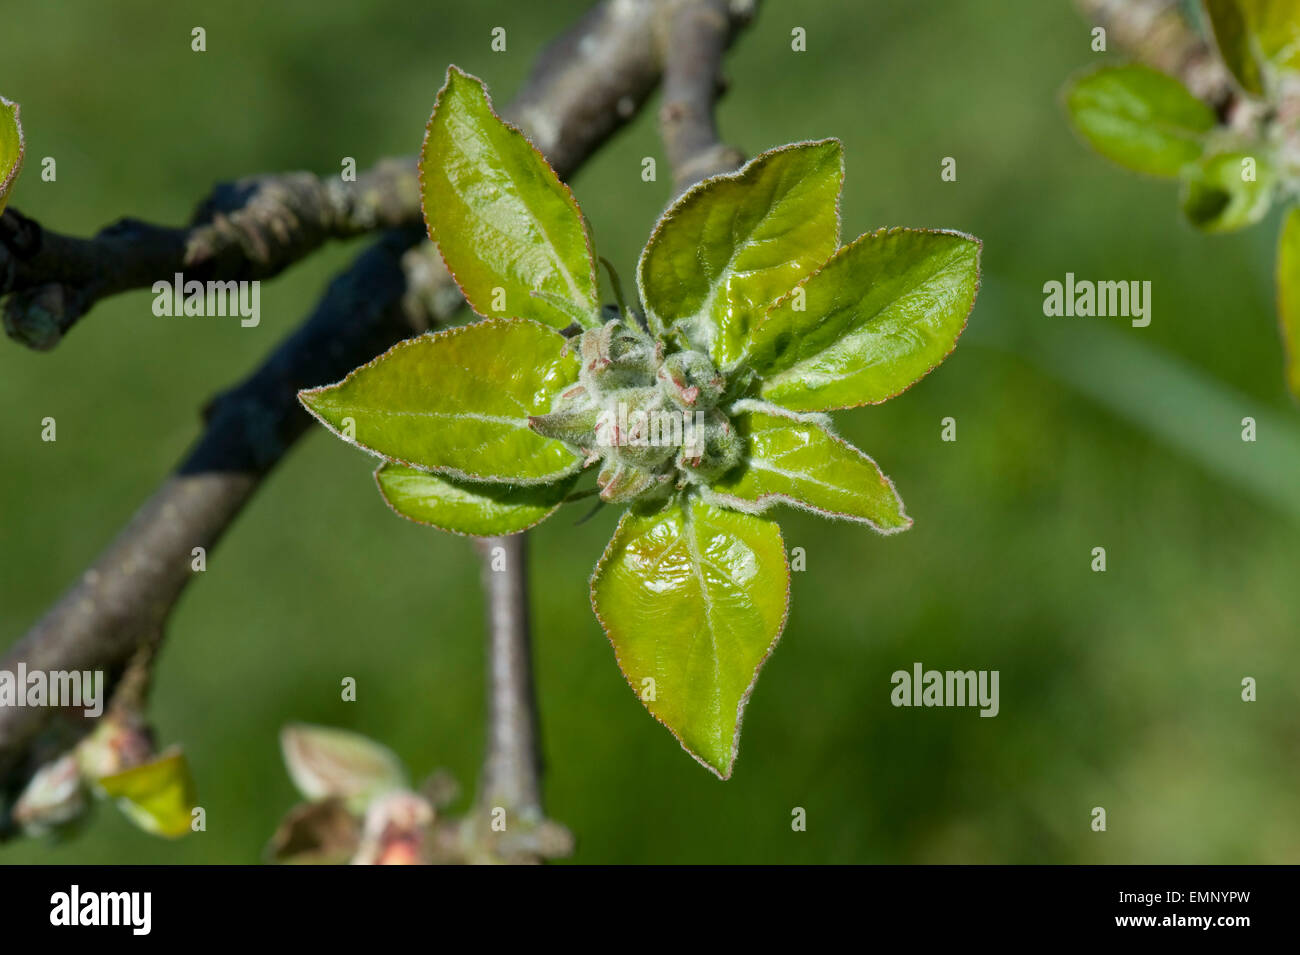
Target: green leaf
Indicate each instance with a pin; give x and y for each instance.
(12, 148)
(1256, 37)
(733, 244)
(479, 510)
(1288, 296)
(693, 599)
(158, 796)
(458, 402)
(499, 213)
(329, 763)
(884, 311)
(1139, 118)
(795, 459)
(1218, 198)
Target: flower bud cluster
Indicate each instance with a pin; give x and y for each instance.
(652, 419)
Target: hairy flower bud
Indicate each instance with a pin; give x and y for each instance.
(690, 381)
(712, 450)
(614, 356)
(631, 428)
(620, 483)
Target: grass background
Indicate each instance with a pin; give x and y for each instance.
(1119, 689)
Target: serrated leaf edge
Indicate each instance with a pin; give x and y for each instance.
(452, 530)
(738, 174)
(449, 471)
(607, 555)
(888, 231)
(568, 192)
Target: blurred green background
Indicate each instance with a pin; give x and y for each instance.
(1119, 689)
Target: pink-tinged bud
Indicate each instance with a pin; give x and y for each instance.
(397, 830)
(55, 796)
(713, 448)
(614, 356)
(120, 742)
(690, 381)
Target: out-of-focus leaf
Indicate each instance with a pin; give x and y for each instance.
(500, 214)
(158, 796)
(1139, 118)
(693, 599)
(462, 507)
(12, 148)
(316, 833)
(1288, 296)
(884, 311)
(1218, 198)
(326, 762)
(793, 459)
(459, 402)
(734, 244)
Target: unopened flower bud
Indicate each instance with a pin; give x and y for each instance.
(689, 379)
(614, 356)
(120, 742)
(55, 796)
(711, 449)
(396, 830)
(621, 482)
(632, 428)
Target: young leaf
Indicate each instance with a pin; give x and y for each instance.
(12, 148)
(504, 222)
(1217, 196)
(1255, 36)
(479, 510)
(458, 402)
(325, 762)
(1139, 118)
(158, 796)
(1288, 296)
(792, 458)
(884, 311)
(693, 599)
(733, 244)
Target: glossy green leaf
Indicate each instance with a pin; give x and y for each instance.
(693, 599)
(158, 796)
(325, 762)
(794, 459)
(1288, 296)
(1139, 118)
(12, 148)
(734, 244)
(505, 223)
(1255, 37)
(463, 507)
(1228, 191)
(884, 311)
(458, 402)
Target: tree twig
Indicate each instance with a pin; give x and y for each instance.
(512, 762)
(697, 35)
(245, 230)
